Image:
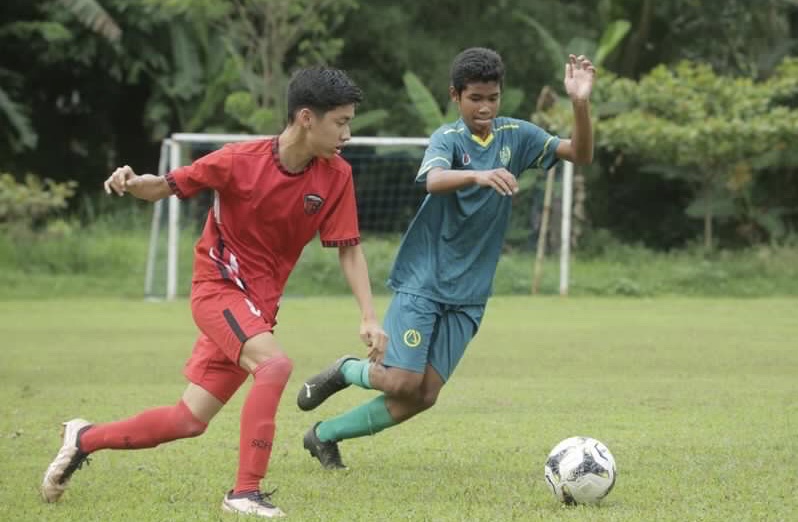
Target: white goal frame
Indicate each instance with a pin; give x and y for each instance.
(170, 159)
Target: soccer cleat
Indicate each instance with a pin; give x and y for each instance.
(320, 387)
(326, 452)
(251, 503)
(68, 460)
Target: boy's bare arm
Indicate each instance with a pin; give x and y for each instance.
(146, 186)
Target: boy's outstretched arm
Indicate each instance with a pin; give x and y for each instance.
(579, 77)
(355, 269)
(146, 186)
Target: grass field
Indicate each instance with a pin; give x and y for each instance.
(696, 398)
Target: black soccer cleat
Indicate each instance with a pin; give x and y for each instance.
(327, 452)
(320, 387)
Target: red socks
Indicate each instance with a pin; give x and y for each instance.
(145, 430)
(257, 421)
(153, 427)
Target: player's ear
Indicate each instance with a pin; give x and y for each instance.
(455, 97)
(305, 118)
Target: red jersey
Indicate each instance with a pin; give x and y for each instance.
(263, 216)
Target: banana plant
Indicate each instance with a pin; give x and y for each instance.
(92, 14)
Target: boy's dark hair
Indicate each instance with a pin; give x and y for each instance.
(320, 89)
(476, 64)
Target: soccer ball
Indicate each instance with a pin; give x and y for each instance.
(580, 470)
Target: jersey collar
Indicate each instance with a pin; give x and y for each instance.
(487, 141)
(276, 155)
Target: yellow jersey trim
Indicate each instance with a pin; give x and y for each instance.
(545, 150)
(487, 141)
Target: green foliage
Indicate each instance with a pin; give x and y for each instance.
(427, 107)
(706, 124)
(23, 136)
(557, 52)
(610, 39)
(242, 106)
(24, 206)
(511, 100)
(70, 95)
(264, 39)
(369, 120)
(93, 15)
(735, 37)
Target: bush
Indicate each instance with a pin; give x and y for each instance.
(25, 207)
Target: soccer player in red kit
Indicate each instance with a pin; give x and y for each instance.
(271, 197)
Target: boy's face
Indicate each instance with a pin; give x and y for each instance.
(478, 104)
(329, 133)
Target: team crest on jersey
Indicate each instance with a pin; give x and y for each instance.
(505, 155)
(466, 159)
(313, 203)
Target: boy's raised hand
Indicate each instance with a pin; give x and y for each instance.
(579, 76)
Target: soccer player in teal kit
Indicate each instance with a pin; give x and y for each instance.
(443, 273)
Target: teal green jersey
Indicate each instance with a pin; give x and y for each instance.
(451, 249)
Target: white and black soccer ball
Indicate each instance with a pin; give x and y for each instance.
(580, 470)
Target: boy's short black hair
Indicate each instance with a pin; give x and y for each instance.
(476, 64)
(320, 89)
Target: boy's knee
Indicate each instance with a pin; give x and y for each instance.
(427, 399)
(186, 423)
(281, 367)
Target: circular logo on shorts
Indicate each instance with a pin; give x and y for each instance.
(412, 338)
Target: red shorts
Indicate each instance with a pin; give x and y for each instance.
(227, 318)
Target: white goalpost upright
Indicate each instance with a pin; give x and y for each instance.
(171, 157)
(565, 229)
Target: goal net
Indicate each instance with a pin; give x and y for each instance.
(387, 199)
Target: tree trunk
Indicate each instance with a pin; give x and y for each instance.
(708, 220)
(544, 226)
(637, 40)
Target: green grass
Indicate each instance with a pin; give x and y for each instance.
(102, 260)
(696, 398)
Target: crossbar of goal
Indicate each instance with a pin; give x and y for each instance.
(170, 159)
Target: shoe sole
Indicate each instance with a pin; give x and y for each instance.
(41, 489)
(227, 509)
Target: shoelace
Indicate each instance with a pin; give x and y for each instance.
(263, 497)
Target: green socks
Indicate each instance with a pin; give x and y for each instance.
(366, 419)
(357, 372)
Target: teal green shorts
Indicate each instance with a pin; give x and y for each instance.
(422, 331)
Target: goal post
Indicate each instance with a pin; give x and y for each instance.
(387, 198)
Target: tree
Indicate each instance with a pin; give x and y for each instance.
(265, 38)
(710, 127)
(20, 133)
(554, 112)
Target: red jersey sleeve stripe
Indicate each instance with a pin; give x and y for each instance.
(341, 242)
